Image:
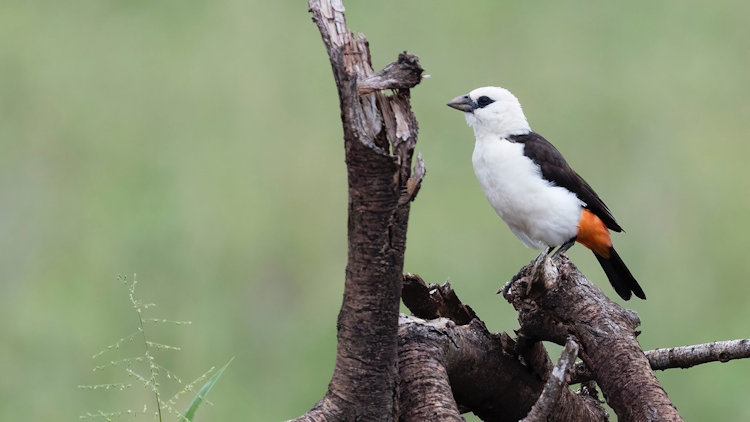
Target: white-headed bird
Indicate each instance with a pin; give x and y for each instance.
(533, 189)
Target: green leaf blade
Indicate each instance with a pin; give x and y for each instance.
(199, 397)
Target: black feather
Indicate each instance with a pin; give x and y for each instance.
(619, 275)
(556, 170)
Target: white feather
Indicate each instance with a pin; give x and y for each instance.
(537, 212)
(502, 118)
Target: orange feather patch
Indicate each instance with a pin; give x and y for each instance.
(593, 234)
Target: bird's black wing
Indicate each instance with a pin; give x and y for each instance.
(556, 170)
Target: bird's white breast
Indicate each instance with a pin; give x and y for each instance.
(537, 212)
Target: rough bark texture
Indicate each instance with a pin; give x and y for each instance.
(424, 390)
(554, 300)
(486, 374)
(413, 369)
(380, 132)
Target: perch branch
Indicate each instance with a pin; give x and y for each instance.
(486, 375)
(556, 301)
(682, 357)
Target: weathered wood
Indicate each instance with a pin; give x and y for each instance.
(425, 390)
(445, 367)
(556, 382)
(434, 301)
(562, 302)
(380, 133)
(486, 375)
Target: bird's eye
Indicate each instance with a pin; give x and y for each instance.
(484, 101)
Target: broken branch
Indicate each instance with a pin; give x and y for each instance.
(543, 407)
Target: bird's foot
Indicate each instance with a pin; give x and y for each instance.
(564, 248)
(541, 256)
(537, 268)
(538, 272)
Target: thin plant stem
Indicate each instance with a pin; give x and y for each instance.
(151, 367)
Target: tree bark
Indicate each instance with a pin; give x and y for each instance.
(380, 132)
(682, 357)
(486, 374)
(554, 301)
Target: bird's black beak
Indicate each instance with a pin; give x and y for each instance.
(463, 103)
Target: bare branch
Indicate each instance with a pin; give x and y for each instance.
(562, 302)
(687, 356)
(682, 357)
(404, 74)
(555, 383)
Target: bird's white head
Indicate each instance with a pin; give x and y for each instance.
(492, 111)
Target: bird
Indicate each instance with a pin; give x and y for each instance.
(544, 202)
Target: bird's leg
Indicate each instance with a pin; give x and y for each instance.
(535, 266)
(542, 256)
(544, 253)
(564, 247)
(538, 260)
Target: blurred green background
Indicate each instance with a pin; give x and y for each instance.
(198, 145)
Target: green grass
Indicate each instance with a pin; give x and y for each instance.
(138, 359)
(200, 396)
(199, 145)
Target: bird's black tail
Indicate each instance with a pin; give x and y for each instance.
(619, 275)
